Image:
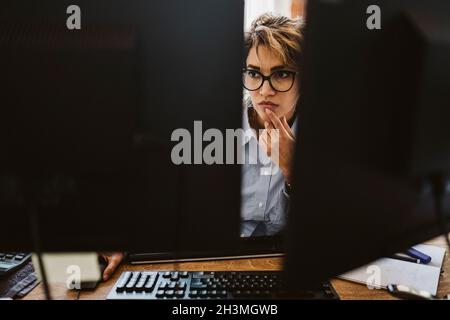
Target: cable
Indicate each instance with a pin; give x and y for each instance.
(439, 186)
(34, 224)
(439, 190)
(178, 223)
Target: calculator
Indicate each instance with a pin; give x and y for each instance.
(11, 261)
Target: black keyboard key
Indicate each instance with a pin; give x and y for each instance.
(199, 286)
(123, 282)
(243, 286)
(179, 293)
(143, 279)
(197, 275)
(257, 293)
(139, 287)
(151, 281)
(172, 285)
(237, 293)
(163, 285)
(169, 293)
(213, 293)
(247, 293)
(174, 276)
(202, 275)
(149, 286)
(193, 294)
(222, 293)
(130, 287)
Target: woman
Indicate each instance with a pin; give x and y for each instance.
(273, 50)
(270, 76)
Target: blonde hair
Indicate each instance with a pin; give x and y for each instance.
(282, 34)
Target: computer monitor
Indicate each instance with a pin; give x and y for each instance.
(373, 128)
(87, 117)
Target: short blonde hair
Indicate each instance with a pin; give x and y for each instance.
(282, 34)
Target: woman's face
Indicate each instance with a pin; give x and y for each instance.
(282, 103)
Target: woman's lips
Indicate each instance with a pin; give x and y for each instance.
(268, 105)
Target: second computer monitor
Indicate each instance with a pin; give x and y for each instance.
(90, 118)
(373, 129)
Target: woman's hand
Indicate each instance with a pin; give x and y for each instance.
(113, 259)
(283, 139)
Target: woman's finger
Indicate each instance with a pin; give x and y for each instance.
(268, 132)
(113, 262)
(288, 128)
(269, 127)
(266, 137)
(276, 122)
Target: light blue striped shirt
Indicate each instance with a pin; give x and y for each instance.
(264, 201)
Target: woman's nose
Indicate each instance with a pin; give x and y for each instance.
(266, 89)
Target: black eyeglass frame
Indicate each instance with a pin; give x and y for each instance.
(295, 73)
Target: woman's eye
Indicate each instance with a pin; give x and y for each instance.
(253, 74)
(281, 74)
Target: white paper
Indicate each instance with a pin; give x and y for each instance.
(383, 272)
(69, 268)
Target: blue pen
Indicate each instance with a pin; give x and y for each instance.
(424, 258)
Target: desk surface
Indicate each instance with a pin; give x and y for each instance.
(346, 289)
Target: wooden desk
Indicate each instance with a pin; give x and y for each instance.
(346, 289)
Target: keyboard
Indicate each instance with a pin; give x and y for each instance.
(10, 261)
(150, 285)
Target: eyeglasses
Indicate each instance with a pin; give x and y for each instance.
(281, 80)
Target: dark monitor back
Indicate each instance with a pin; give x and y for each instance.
(86, 120)
(373, 126)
